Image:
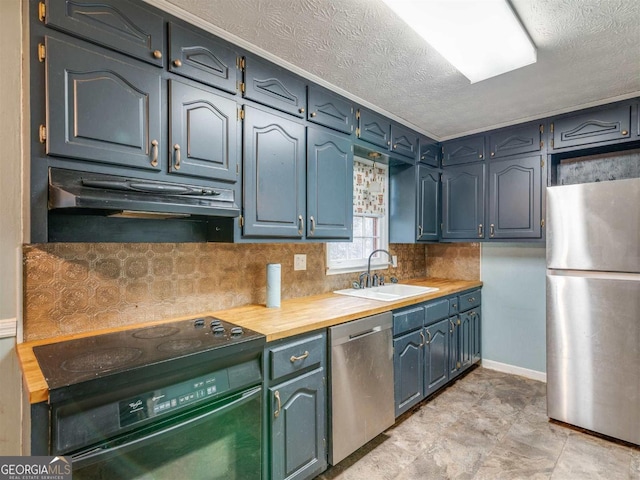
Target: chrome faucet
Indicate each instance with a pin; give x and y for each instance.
(367, 275)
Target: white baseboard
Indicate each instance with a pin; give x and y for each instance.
(523, 372)
(8, 327)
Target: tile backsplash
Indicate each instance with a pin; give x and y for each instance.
(79, 287)
(454, 260)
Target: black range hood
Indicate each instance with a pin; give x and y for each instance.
(132, 197)
(95, 207)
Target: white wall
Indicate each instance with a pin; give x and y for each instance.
(10, 224)
(513, 308)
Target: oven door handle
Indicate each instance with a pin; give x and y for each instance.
(131, 441)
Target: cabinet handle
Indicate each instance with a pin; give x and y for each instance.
(277, 412)
(300, 224)
(313, 224)
(423, 340)
(177, 63)
(480, 156)
(301, 110)
(471, 300)
(395, 145)
(389, 143)
(624, 132)
(493, 154)
(157, 54)
(176, 147)
(429, 339)
(154, 153)
(452, 326)
(419, 231)
(492, 230)
(312, 114)
(294, 359)
(480, 231)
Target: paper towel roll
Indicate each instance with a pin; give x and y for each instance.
(273, 285)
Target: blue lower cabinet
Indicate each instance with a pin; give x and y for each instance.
(436, 371)
(298, 427)
(408, 367)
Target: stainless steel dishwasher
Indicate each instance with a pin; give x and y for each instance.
(361, 383)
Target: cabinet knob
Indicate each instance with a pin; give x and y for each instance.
(493, 154)
(422, 157)
(389, 142)
(177, 63)
(492, 230)
(312, 114)
(480, 156)
(624, 132)
(157, 54)
(395, 145)
(301, 110)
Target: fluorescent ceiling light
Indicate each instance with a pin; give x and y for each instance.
(481, 38)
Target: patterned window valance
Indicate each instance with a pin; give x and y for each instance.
(370, 187)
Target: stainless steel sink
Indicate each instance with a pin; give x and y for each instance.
(387, 293)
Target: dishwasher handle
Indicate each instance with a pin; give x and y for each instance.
(371, 331)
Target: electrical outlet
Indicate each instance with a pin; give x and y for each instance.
(299, 261)
(394, 261)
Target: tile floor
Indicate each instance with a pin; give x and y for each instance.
(487, 425)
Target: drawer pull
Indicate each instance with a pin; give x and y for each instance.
(301, 357)
(471, 299)
(277, 412)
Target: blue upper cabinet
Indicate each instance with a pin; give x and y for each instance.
(595, 127)
(329, 185)
(202, 133)
(463, 201)
(463, 150)
(430, 152)
(515, 141)
(379, 131)
(124, 26)
(428, 204)
(515, 198)
(273, 86)
(102, 108)
(374, 128)
(274, 171)
(330, 110)
(203, 58)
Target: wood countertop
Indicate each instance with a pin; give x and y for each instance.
(295, 316)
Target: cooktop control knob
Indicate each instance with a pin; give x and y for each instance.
(235, 331)
(215, 323)
(198, 323)
(217, 330)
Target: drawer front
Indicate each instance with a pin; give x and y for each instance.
(407, 320)
(296, 356)
(464, 150)
(436, 311)
(609, 125)
(469, 300)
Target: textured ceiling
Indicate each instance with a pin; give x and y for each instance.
(588, 52)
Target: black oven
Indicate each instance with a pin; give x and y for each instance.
(193, 415)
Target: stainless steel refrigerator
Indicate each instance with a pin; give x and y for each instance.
(593, 307)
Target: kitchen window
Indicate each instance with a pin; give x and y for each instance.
(370, 221)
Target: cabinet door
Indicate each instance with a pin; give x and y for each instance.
(609, 125)
(463, 150)
(514, 141)
(436, 368)
(465, 337)
(403, 142)
(102, 108)
(476, 334)
(275, 87)
(429, 152)
(428, 203)
(202, 133)
(408, 367)
(374, 128)
(274, 175)
(330, 110)
(515, 198)
(463, 201)
(202, 58)
(454, 347)
(297, 409)
(329, 185)
(121, 25)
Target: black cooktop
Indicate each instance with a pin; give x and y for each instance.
(205, 339)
